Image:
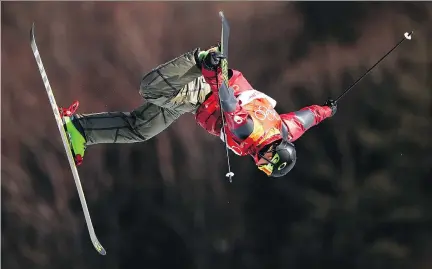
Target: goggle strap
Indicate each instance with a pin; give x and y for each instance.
(262, 156)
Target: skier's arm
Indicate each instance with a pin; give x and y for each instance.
(209, 63)
(237, 119)
(300, 121)
(213, 78)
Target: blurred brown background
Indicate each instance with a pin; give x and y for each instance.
(359, 196)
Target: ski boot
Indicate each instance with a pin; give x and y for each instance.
(77, 141)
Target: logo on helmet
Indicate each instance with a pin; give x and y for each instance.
(282, 166)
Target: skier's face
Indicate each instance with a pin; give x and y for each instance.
(264, 164)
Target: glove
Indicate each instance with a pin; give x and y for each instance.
(209, 59)
(331, 104)
(212, 60)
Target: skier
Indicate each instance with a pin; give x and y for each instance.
(191, 83)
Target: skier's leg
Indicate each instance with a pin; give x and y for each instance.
(170, 90)
(116, 127)
(125, 127)
(177, 84)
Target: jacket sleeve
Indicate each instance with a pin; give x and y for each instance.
(300, 121)
(237, 119)
(213, 78)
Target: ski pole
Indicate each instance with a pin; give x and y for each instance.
(229, 174)
(224, 67)
(406, 36)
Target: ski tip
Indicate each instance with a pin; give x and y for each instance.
(221, 14)
(32, 31)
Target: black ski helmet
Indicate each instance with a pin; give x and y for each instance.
(283, 159)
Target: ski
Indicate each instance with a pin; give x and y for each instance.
(224, 47)
(224, 68)
(66, 145)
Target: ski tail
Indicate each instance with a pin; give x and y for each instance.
(66, 145)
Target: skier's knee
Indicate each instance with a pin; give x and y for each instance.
(147, 83)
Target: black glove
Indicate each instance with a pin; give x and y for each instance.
(212, 60)
(331, 104)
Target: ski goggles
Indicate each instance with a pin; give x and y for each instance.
(269, 166)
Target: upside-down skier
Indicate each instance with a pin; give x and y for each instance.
(224, 104)
(190, 84)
